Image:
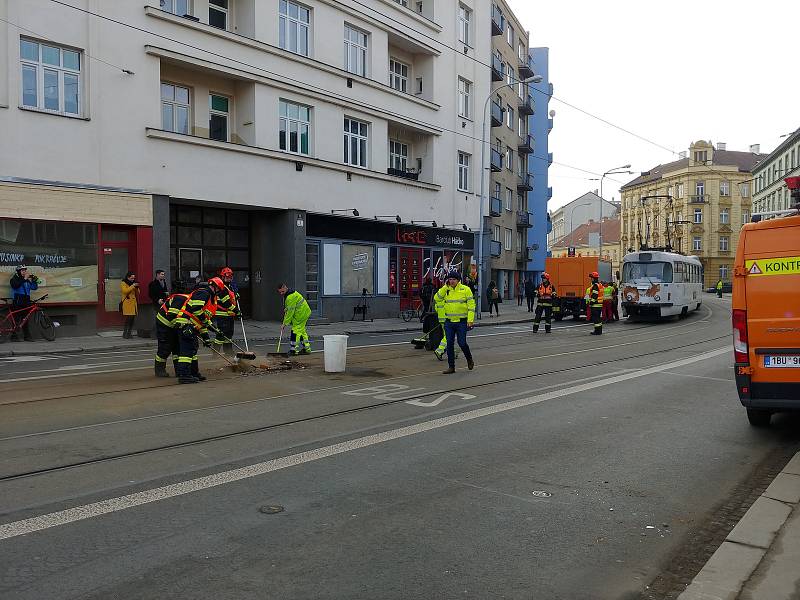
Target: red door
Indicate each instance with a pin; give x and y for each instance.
(410, 276)
(117, 257)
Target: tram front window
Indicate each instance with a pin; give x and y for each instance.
(647, 272)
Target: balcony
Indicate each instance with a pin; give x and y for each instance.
(495, 248)
(526, 106)
(703, 199)
(404, 174)
(524, 220)
(526, 145)
(525, 255)
(549, 194)
(549, 158)
(525, 183)
(498, 21)
(495, 207)
(550, 124)
(498, 68)
(496, 161)
(497, 113)
(525, 68)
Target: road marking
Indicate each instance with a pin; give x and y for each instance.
(441, 399)
(699, 377)
(112, 505)
(391, 392)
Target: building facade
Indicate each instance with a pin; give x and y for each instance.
(585, 240)
(540, 123)
(770, 192)
(695, 205)
(579, 212)
(510, 146)
(194, 135)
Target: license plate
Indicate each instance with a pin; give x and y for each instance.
(782, 360)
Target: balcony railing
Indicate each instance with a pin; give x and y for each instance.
(525, 183)
(498, 21)
(496, 114)
(525, 68)
(496, 161)
(550, 124)
(702, 199)
(498, 68)
(526, 106)
(405, 174)
(526, 145)
(524, 219)
(495, 206)
(495, 248)
(525, 255)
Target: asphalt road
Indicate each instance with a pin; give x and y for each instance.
(563, 466)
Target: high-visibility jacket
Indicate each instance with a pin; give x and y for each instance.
(459, 303)
(438, 304)
(719, 285)
(228, 303)
(546, 292)
(195, 310)
(608, 292)
(295, 309)
(596, 294)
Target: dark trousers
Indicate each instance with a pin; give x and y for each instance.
(615, 308)
(719, 293)
(496, 304)
(547, 309)
(225, 333)
(167, 339)
(530, 303)
(18, 303)
(597, 319)
(187, 353)
(456, 332)
(519, 300)
(126, 330)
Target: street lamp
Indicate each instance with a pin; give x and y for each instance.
(431, 223)
(342, 210)
(462, 225)
(615, 170)
(572, 214)
(395, 217)
(529, 80)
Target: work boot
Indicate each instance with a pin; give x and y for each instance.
(161, 369)
(535, 327)
(547, 328)
(306, 351)
(449, 371)
(470, 364)
(187, 379)
(438, 354)
(199, 377)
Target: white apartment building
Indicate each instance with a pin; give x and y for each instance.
(292, 141)
(770, 192)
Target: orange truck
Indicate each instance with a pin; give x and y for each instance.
(766, 315)
(570, 276)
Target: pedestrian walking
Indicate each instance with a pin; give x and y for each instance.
(530, 293)
(22, 284)
(227, 311)
(493, 298)
(596, 302)
(719, 289)
(520, 293)
(546, 294)
(296, 313)
(615, 300)
(157, 289)
(426, 295)
(608, 301)
(459, 312)
(129, 306)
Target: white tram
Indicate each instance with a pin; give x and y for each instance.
(660, 284)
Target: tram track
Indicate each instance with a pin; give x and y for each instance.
(264, 428)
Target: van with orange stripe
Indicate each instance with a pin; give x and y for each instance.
(766, 315)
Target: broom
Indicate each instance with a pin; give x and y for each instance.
(242, 354)
(278, 349)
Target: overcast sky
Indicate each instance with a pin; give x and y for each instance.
(672, 72)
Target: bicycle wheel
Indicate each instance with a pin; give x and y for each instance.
(407, 315)
(46, 326)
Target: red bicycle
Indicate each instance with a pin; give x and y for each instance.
(12, 320)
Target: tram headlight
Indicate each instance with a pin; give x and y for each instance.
(657, 298)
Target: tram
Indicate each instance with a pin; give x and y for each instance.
(658, 284)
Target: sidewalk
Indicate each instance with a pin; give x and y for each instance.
(257, 331)
(760, 558)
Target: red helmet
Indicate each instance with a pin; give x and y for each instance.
(226, 272)
(545, 275)
(594, 275)
(220, 285)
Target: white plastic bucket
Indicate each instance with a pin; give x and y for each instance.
(335, 350)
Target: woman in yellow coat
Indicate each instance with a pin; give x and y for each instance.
(129, 306)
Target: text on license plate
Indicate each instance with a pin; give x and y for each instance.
(782, 360)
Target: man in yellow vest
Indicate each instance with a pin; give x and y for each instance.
(440, 351)
(459, 313)
(596, 295)
(719, 289)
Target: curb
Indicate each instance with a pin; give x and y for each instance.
(729, 569)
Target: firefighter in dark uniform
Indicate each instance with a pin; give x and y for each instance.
(596, 292)
(546, 294)
(227, 311)
(180, 320)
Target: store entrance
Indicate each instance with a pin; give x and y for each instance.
(116, 259)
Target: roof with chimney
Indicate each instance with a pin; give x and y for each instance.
(580, 237)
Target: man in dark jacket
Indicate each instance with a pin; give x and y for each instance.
(22, 284)
(426, 295)
(530, 293)
(157, 290)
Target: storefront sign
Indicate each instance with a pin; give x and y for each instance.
(417, 237)
(360, 261)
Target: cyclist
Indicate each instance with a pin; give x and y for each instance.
(22, 284)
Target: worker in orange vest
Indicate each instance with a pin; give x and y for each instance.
(545, 293)
(596, 302)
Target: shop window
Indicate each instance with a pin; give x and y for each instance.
(213, 237)
(239, 259)
(393, 270)
(213, 261)
(383, 270)
(190, 236)
(189, 214)
(238, 238)
(358, 268)
(213, 216)
(331, 271)
(238, 218)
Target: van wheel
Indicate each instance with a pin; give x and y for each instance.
(758, 418)
(684, 312)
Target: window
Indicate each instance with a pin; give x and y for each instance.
(497, 188)
(507, 241)
(509, 117)
(218, 13)
(700, 156)
(293, 27)
(355, 142)
(520, 203)
(355, 51)
(679, 190)
(509, 158)
(744, 190)
(509, 203)
(521, 52)
(402, 2)
(510, 78)
(700, 188)
(496, 233)
(176, 7)
(723, 243)
(398, 75)
(463, 171)
(464, 22)
(724, 270)
(51, 77)
(398, 155)
(522, 129)
(698, 215)
(464, 98)
(745, 216)
(174, 108)
(697, 243)
(724, 188)
(418, 86)
(295, 127)
(519, 241)
(510, 34)
(218, 112)
(724, 216)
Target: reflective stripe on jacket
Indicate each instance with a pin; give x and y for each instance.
(193, 309)
(439, 306)
(546, 293)
(596, 294)
(296, 310)
(228, 303)
(459, 303)
(608, 292)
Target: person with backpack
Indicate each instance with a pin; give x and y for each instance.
(493, 298)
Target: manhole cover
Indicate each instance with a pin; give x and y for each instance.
(541, 494)
(271, 509)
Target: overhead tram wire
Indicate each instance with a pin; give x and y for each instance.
(298, 82)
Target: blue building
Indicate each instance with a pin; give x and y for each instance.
(539, 125)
